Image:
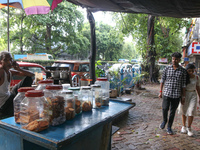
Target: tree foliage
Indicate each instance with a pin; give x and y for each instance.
(167, 34)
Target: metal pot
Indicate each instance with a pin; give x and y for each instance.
(64, 74)
(55, 74)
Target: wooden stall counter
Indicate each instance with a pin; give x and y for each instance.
(87, 131)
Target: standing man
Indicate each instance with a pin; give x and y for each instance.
(174, 79)
(6, 73)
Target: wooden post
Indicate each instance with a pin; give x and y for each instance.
(92, 56)
(8, 27)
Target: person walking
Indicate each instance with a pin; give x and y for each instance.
(174, 82)
(188, 108)
(6, 73)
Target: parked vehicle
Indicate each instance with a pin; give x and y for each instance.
(79, 69)
(118, 67)
(36, 56)
(123, 60)
(34, 67)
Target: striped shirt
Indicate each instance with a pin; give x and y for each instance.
(174, 81)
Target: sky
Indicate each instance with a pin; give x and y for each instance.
(99, 16)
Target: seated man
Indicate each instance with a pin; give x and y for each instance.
(7, 96)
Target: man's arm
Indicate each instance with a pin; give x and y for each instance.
(161, 87)
(21, 72)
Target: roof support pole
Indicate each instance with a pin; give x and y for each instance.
(92, 56)
(8, 24)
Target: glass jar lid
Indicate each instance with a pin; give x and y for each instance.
(67, 92)
(34, 93)
(74, 88)
(102, 79)
(45, 81)
(25, 89)
(54, 87)
(85, 88)
(96, 86)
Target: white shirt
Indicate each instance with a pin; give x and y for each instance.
(4, 90)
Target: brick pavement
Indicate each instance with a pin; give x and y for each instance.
(139, 129)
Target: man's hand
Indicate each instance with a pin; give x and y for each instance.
(160, 95)
(183, 100)
(15, 65)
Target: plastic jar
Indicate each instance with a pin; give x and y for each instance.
(87, 98)
(69, 104)
(57, 104)
(97, 95)
(34, 111)
(42, 84)
(17, 101)
(66, 86)
(77, 99)
(105, 86)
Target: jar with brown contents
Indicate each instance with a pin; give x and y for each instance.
(69, 104)
(77, 99)
(87, 98)
(57, 104)
(34, 114)
(17, 101)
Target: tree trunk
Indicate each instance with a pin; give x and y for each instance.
(151, 49)
(93, 45)
(48, 38)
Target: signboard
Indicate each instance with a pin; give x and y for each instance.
(194, 48)
(163, 60)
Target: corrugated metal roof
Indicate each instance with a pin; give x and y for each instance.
(170, 8)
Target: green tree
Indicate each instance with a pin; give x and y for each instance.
(167, 34)
(48, 33)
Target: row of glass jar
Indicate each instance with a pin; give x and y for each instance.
(50, 105)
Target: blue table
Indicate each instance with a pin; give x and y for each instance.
(87, 131)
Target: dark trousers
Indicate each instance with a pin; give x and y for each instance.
(7, 110)
(171, 103)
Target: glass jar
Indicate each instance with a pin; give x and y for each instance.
(97, 95)
(105, 86)
(57, 104)
(87, 98)
(66, 86)
(17, 101)
(69, 104)
(77, 99)
(34, 111)
(42, 84)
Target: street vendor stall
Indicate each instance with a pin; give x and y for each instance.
(87, 131)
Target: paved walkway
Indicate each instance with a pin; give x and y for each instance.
(139, 129)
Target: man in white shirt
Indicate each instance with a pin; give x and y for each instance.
(7, 96)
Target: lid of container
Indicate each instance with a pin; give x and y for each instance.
(67, 92)
(74, 88)
(85, 87)
(34, 93)
(25, 89)
(45, 81)
(54, 87)
(86, 79)
(96, 86)
(102, 79)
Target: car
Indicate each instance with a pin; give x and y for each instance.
(39, 70)
(118, 67)
(79, 69)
